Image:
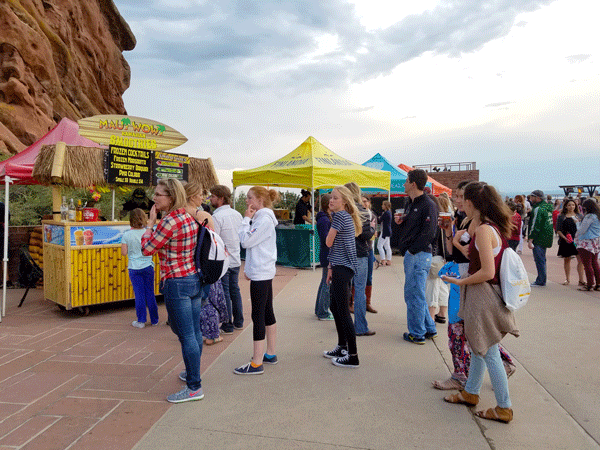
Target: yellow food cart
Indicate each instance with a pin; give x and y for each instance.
(83, 264)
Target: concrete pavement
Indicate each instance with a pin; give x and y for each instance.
(305, 402)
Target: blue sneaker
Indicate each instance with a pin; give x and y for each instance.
(270, 359)
(186, 395)
(183, 375)
(247, 369)
(415, 340)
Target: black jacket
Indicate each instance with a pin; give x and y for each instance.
(362, 240)
(418, 229)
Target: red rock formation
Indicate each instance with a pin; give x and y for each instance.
(59, 58)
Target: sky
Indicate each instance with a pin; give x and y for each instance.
(513, 85)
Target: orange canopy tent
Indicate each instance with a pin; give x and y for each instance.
(438, 187)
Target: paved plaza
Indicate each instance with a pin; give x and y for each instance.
(69, 381)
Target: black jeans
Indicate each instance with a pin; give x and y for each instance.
(261, 297)
(341, 280)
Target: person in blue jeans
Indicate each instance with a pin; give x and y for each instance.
(175, 240)
(227, 222)
(417, 230)
(323, 293)
(141, 269)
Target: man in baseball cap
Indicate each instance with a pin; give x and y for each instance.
(541, 233)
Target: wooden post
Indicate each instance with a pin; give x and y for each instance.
(56, 202)
(60, 149)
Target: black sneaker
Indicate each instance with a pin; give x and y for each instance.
(227, 329)
(348, 361)
(431, 335)
(270, 360)
(337, 352)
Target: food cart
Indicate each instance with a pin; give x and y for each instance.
(83, 265)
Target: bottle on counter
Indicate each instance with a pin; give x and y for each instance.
(72, 211)
(79, 212)
(64, 210)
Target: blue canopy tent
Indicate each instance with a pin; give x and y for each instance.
(398, 177)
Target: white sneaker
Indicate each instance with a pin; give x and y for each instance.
(137, 324)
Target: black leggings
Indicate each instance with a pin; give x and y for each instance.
(341, 279)
(261, 297)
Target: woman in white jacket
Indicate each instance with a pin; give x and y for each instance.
(257, 236)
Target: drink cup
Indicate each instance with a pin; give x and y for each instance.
(88, 237)
(78, 237)
(399, 215)
(445, 219)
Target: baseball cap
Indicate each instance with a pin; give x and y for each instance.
(538, 193)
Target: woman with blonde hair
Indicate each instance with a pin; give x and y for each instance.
(342, 267)
(213, 310)
(175, 241)
(364, 235)
(257, 236)
(486, 318)
(383, 243)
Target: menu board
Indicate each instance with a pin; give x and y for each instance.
(128, 166)
(169, 165)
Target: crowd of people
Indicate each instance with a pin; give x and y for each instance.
(451, 271)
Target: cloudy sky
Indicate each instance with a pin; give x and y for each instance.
(513, 85)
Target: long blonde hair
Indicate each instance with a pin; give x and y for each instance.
(445, 202)
(350, 207)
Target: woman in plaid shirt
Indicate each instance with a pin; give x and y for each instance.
(175, 240)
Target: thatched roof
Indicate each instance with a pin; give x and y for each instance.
(84, 166)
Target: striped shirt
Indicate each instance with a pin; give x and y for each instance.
(175, 240)
(343, 250)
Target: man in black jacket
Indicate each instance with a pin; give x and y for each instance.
(417, 231)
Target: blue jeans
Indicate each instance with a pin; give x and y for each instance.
(323, 296)
(183, 299)
(416, 269)
(142, 281)
(360, 297)
(539, 256)
(498, 377)
(233, 298)
(370, 268)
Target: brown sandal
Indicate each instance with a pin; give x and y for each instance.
(447, 385)
(498, 414)
(463, 398)
(213, 341)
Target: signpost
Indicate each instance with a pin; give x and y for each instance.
(128, 166)
(169, 165)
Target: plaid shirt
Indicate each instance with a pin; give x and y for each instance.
(175, 240)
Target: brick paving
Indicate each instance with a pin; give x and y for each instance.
(69, 381)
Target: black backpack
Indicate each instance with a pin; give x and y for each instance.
(211, 257)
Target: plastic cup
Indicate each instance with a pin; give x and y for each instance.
(78, 237)
(88, 237)
(446, 219)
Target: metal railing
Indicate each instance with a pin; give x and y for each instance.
(447, 167)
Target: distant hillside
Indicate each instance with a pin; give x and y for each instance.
(59, 58)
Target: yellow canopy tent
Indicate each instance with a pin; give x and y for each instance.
(312, 165)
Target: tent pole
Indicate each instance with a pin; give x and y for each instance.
(112, 217)
(7, 182)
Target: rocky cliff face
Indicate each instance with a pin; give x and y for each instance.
(59, 58)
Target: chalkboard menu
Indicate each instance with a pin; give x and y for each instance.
(128, 166)
(169, 165)
(132, 166)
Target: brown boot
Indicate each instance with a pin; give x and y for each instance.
(351, 303)
(368, 290)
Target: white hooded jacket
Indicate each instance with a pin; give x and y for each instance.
(257, 236)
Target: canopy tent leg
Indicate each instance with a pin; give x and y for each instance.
(113, 204)
(7, 181)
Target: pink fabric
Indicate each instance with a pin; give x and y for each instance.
(20, 166)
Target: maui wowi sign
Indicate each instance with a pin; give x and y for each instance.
(131, 132)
